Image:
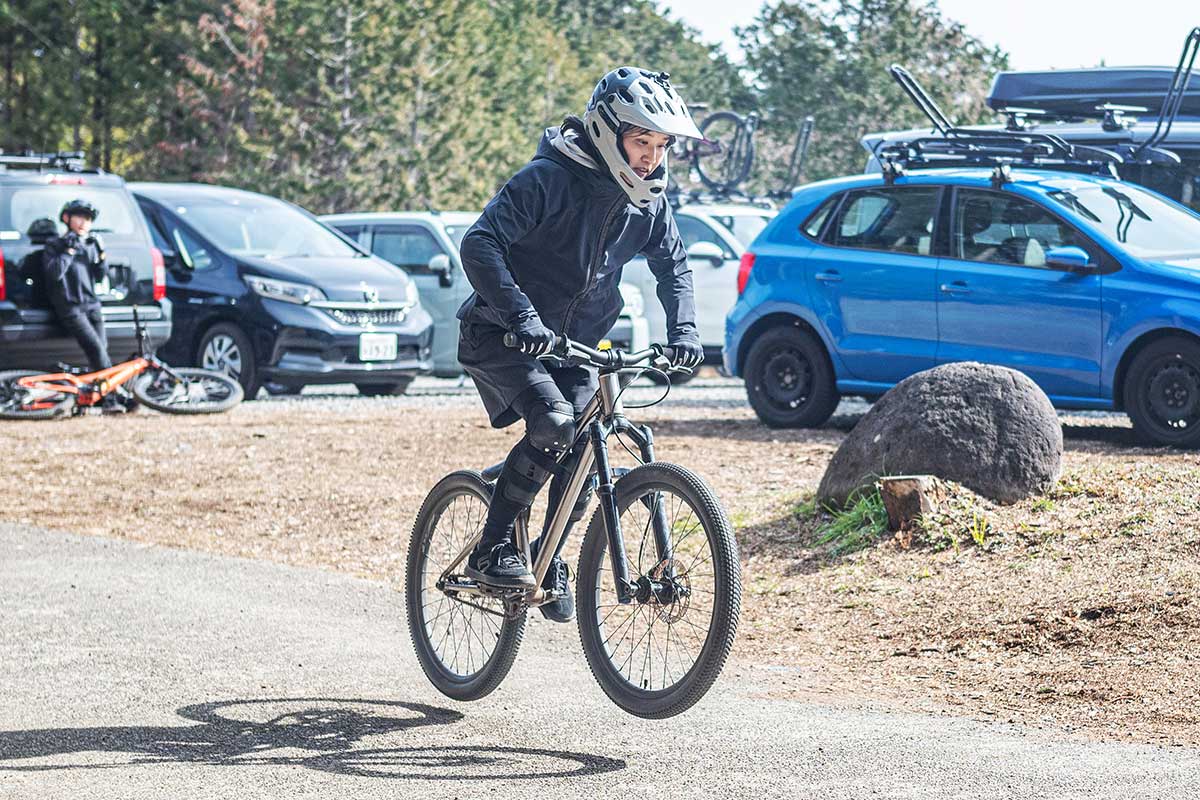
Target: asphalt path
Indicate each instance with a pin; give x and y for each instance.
(131, 671)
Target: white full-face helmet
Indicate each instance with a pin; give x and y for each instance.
(634, 97)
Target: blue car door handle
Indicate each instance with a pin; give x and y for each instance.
(958, 287)
(828, 277)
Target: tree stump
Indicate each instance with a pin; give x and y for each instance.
(907, 497)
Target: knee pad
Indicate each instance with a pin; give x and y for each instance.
(525, 472)
(551, 429)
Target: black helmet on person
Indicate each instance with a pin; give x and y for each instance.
(78, 206)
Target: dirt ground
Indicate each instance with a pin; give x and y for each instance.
(1079, 611)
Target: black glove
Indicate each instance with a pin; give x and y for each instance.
(688, 354)
(72, 241)
(533, 337)
(94, 239)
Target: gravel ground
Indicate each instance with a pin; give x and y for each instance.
(1075, 611)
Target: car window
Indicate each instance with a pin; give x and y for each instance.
(744, 227)
(814, 224)
(116, 212)
(253, 225)
(692, 230)
(1004, 229)
(409, 247)
(1146, 225)
(456, 233)
(191, 249)
(896, 220)
(352, 232)
(157, 237)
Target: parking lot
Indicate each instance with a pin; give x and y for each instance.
(1046, 620)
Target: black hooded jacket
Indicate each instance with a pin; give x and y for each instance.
(72, 265)
(554, 240)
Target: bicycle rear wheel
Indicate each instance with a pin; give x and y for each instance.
(465, 644)
(658, 655)
(20, 402)
(726, 168)
(187, 391)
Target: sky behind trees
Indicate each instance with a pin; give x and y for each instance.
(1036, 34)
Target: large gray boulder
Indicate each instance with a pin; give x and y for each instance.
(989, 428)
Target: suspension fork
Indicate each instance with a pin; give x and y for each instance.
(607, 495)
(644, 438)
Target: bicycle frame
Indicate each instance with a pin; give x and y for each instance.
(92, 387)
(602, 417)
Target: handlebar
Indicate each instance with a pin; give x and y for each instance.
(570, 350)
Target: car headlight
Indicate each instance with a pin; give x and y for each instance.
(635, 306)
(411, 296)
(286, 291)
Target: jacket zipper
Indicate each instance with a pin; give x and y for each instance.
(592, 265)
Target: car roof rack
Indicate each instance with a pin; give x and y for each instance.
(67, 161)
(955, 146)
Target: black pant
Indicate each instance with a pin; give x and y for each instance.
(87, 326)
(575, 385)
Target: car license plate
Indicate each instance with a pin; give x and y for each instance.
(377, 347)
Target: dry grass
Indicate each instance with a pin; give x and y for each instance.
(1079, 611)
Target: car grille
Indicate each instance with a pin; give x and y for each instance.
(367, 318)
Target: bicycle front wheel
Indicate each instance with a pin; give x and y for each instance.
(723, 167)
(658, 655)
(465, 643)
(187, 391)
(20, 402)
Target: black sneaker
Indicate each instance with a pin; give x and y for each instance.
(562, 608)
(499, 565)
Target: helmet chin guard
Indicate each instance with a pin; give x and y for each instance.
(631, 96)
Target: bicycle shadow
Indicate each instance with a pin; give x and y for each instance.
(267, 732)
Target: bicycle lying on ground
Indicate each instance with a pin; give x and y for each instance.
(26, 394)
(658, 585)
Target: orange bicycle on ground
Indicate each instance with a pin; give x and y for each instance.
(144, 379)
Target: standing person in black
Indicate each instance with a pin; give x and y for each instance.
(545, 260)
(74, 262)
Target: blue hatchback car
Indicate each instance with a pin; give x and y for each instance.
(1087, 284)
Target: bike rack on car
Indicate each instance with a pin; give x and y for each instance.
(1001, 149)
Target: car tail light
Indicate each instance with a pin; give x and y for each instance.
(744, 268)
(160, 273)
(3, 291)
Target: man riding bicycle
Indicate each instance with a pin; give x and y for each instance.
(545, 260)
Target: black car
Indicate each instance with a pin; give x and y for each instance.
(265, 292)
(33, 190)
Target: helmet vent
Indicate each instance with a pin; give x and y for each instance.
(647, 88)
(649, 106)
(595, 130)
(670, 109)
(655, 190)
(625, 179)
(622, 73)
(625, 95)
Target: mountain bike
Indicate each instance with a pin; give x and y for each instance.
(723, 159)
(658, 584)
(26, 394)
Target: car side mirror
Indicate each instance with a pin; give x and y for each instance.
(707, 251)
(440, 265)
(1072, 257)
